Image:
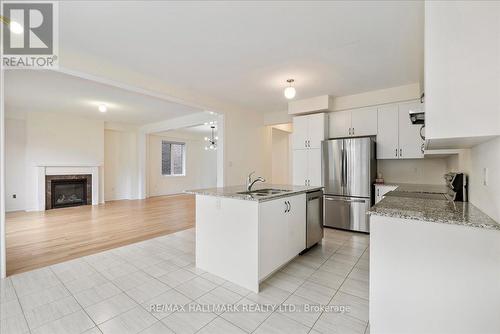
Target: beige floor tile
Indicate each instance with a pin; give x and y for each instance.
(219, 326)
(110, 308)
(130, 322)
(196, 287)
(74, 323)
(43, 314)
(358, 306)
(97, 294)
(305, 311)
(188, 322)
(249, 317)
(269, 295)
(147, 291)
(161, 306)
(338, 323)
(280, 324)
(177, 277)
(317, 293)
(327, 278)
(157, 328)
(356, 288)
(285, 281)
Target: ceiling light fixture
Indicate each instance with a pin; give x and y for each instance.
(212, 141)
(290, 90)
(103, 108)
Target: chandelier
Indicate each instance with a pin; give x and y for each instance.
(212, 141)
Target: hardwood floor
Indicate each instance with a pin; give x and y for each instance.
(38, 239)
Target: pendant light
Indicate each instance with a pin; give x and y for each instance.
(290, 90)
(212, 141)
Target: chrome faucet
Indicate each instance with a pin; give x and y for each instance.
(250, 183)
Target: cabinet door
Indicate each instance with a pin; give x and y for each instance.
(273, 236)
(300, 167)
(387, 133)
(410, 142)
(296, 225)
(340, 123)
(314, 167)
(364, 122)
(299, 134)
(316, 130)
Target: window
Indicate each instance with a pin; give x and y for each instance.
(173, 158)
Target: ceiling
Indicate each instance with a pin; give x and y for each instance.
(49, 91)
(241, 53)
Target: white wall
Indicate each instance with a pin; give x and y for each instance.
(247, 147)
(281, 173)
(15, 164)
(424, 171)
(61, 139)
(486, 197)
(120, 165)
(201, 165)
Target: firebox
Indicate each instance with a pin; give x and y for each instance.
(68, 190)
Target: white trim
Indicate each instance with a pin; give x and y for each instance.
(43, 171)
(3, 268)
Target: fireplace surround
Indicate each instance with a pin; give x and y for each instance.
(67, 190)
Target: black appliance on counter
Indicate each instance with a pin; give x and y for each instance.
(457, 186)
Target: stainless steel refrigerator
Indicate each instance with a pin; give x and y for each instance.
(349, 169)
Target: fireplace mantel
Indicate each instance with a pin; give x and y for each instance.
(54, 169)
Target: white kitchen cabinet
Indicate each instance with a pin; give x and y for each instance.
(314, 167)
(397, 138)
(282, 232)
(381, 190)
(462, 73)
(364, 122)
(309, 131)
(273, 230)
(353, 123)
(296, 223)
(300, 167)
(307, 167)
(340, 124)
(388, 132)
(410, 142)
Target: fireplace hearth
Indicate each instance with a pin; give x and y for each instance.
(67, 190)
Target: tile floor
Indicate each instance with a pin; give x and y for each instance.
(123, 291)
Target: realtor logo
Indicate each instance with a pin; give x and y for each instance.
(29, 34)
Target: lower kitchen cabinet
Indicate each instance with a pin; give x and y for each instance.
(282, 232)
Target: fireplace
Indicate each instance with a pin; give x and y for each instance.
(67, 190)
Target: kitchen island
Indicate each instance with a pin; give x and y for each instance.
(244, 237)
(434, 265)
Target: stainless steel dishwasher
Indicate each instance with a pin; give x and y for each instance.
(314, 224)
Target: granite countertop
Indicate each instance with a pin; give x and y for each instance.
(432, 210)
(233, 191)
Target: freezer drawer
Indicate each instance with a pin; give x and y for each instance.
(347, 213)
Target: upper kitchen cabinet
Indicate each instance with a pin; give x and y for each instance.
(355, 122)
(462, 73)
(309, 131)
(397, 137)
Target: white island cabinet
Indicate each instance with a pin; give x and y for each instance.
(244, 241)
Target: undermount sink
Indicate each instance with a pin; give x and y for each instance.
(264, 192)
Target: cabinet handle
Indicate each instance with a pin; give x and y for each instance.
(305, 143)
(378, 192)
(289, 206)
(396, 153)
(353, 131)
(400, 152)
